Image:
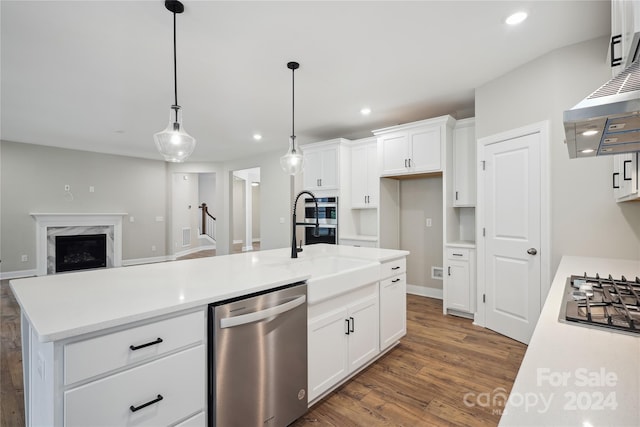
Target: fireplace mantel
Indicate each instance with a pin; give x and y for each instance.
(46, 220)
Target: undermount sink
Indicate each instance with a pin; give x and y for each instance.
(332, 275)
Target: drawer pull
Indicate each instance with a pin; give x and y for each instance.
(395, 280)
(395, 268)
(457, 254)
(138, 347)
(144, 405)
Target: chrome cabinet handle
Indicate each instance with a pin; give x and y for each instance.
(532, 251)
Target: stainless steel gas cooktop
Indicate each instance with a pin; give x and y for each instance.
(610, 303)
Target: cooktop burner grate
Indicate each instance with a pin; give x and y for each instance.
(606, 302)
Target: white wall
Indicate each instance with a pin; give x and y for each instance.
(239, 210)
(33, 180)
(421, 198)
(585, 219)
(186, 213)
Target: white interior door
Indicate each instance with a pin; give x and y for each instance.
(512, 188)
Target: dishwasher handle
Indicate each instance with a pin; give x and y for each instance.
(256, 316)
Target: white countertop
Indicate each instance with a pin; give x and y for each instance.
(66, 305)
(574, 375)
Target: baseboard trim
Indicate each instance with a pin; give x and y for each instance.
(193, 251)
(235, 242)
(7, 275)
(424, 291)
(152, 260)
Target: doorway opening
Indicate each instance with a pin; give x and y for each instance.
(245, 210)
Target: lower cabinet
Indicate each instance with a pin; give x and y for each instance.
(343, 335)
(393, 310)
(161, 392)
(459, 285)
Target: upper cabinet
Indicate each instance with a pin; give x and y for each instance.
(322, 165)
(364, 175)
(413, 148)
(625, 33)
(464, 163)
(625, 177)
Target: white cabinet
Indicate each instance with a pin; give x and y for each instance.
(364, 176)
(321, 166)
(146, 373)
(464, 163)
(625, 177)
(414, 148)
(343, 335)
(625, 28)
(161, 392)
(459, 283)
(393, 303)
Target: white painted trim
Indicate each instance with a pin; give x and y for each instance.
(235, 242)
(17, 274)
(424, 291)
(256, 240)
(543, 128)
(46, 220)
(193, 251)
(152, 260)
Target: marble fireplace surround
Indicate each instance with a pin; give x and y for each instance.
(48, 225)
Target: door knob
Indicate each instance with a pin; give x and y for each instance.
(532, 251)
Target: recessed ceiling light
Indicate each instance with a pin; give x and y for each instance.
(516, 18)
(255, 184)
(365, 111)
(589, 132)
(587, 150)
(257, 136)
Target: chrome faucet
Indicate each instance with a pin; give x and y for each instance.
(294, 249)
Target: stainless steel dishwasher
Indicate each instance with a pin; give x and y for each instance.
(258, 359)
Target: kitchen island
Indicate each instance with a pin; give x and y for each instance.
(79, 329)
(574, 374)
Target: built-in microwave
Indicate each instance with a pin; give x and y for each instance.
(327, 232)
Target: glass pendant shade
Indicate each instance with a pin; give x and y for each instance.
(174, 143)
(292, 163)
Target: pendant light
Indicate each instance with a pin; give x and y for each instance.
(292, 162)
(174, 143)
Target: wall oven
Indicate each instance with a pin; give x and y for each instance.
(327, 218)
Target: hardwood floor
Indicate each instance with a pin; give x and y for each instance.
(422, 382)
(442, 362)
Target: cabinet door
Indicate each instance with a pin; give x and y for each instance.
(425, 150)
(327, 345)
(329, 171)
(359, 175)
(393, 310)
(312, 169)
(464, 166)
(364, 334)
(625, 179)
(373, 178)
(458, 284)
(394, 154)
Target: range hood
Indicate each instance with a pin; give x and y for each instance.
(608, 120)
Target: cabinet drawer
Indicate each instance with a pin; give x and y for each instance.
(95, 356)
(177, 382)
(198, 420)
(392, 268)
(458, 254)
(359, 243)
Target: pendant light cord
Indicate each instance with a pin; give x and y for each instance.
(175, 65)
(293, 102)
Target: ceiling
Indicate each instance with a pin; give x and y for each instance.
(98, 75)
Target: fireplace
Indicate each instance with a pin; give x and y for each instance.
(80, 252)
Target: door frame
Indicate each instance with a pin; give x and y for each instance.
(545, 211)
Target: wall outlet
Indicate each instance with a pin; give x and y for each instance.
(428, 222)
(153, 248)
(159, 218)
(281, 220)
(436, 273)
(92, 189)
(132, 219)
(24, 258)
